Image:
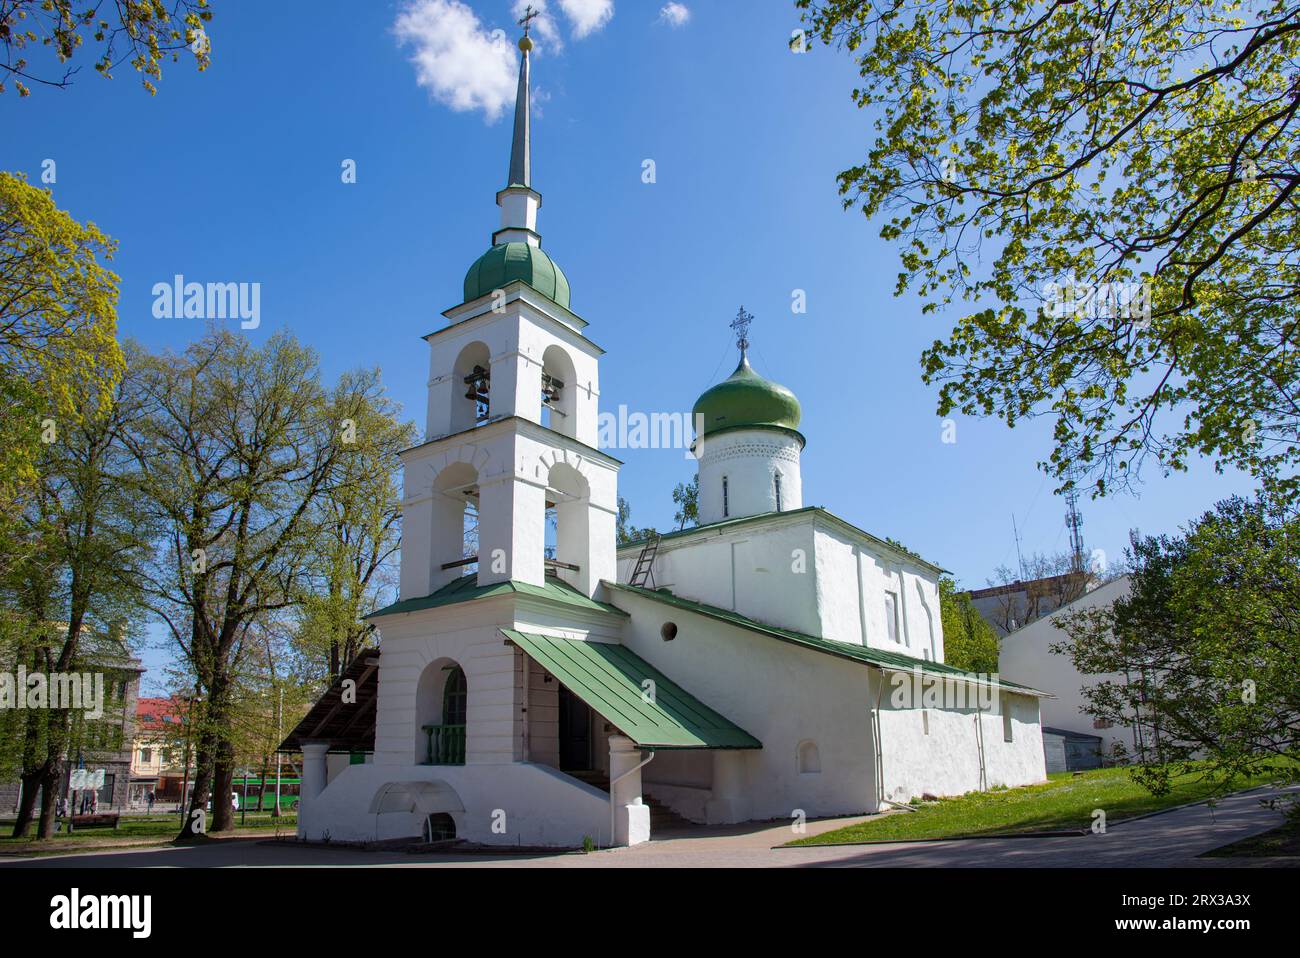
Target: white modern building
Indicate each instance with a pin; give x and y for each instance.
(1074, 738)
(542, 688)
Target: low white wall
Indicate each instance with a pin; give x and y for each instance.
(937, 751)
(541, 805)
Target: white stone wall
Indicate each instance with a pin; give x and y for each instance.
(806, 574)
(765, 570)
(1026, 657)
(534, 804)
(749, 459)
(779, 693)
(853, 578)
(542, 805)
(938, 751)
(514, 465)
(515, 341)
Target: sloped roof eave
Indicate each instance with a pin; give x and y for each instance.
(865, 655)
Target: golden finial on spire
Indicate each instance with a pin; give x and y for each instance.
(526, 21)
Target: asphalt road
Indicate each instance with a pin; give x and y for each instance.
(1170, 839)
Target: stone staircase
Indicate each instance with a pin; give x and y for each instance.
(662, 818)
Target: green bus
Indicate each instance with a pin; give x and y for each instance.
(290, 789)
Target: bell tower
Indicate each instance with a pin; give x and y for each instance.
(509, 478)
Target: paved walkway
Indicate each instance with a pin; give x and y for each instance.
(1169, 839)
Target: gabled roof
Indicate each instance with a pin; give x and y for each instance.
(610, 677)
(823, 513)
(158, 713)
(881, 658)
(467, 589)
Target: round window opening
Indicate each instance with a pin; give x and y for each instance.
(668, 631)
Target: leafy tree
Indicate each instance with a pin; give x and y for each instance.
(686, 496)
(141, 33)
(85, 539)
(358, 522)
(625, 532)
(1128, 171)
(1203, 654)
(238, 447)
(969, 642)
(59, 358)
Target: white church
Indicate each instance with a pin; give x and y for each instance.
(760, 665)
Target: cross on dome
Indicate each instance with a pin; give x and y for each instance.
(527, 19)
(741, 325)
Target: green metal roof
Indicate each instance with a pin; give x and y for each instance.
(858, 653)
(507, 262)
(467, 589)
(747, 400)
(609, 677)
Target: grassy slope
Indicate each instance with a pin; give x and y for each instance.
(1065, 802)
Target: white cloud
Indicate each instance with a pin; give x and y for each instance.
(587, 16)
(545, 31)
(675, 14)
(459, 61)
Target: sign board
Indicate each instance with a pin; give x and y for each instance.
(83, 778)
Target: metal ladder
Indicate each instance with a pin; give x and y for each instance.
(644, 568)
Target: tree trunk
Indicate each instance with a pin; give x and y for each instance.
(31, 782)
(49, 795)
(261, 791)
(200, 790)
(223, 816)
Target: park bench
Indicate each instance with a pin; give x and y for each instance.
(102, 820)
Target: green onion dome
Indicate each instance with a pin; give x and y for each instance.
(507, 262)
(746, 399)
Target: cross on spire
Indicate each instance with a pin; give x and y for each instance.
(529, 16)
(741, 325)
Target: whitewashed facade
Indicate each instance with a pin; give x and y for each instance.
(771, 660)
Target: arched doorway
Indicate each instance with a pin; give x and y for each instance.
(442, 704)
(439, 827)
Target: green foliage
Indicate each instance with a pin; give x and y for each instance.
(240, 448)
(686, 496)
(1149, 143)
(59, 358)
(1203, 655)
(356, 524)
(625, 532)
(969, 642)
(140, 33)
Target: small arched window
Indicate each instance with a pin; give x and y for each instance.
(810, 759)
(725, 510)
(455, 698)
(777, 484)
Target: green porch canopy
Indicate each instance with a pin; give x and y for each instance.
(609, 677)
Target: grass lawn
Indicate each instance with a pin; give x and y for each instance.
(133, 829)
(1064, 803)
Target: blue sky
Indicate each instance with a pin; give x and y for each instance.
(234, 175)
